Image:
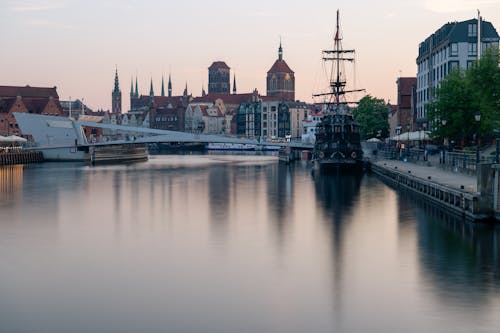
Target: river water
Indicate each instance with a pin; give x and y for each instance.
(234, 244)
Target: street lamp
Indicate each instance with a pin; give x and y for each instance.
(443, 158)
(408, 149)
(477, 117)
(424, 125)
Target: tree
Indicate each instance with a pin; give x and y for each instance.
(372, 116)
(461, 95)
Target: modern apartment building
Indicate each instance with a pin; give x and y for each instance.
(453, 45)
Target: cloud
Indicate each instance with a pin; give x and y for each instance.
(37, 6)
(450, 6)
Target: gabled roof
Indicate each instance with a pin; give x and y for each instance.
(27, 91)
(35, 105)
(6, 104)
(280, 66)
(219, 65)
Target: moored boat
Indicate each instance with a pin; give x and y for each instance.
(338, 141)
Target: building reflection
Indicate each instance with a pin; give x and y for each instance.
(461, 259)
(279, 197)
(11, 182)
(219, 188)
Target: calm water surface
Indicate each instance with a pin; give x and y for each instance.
(234, 244)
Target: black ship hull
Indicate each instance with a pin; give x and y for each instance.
(343, 165)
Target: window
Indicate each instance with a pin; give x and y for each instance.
(273, 108)
(469, 64)
(453, 65)
(472, 49)
(454, 50)
(472, 30)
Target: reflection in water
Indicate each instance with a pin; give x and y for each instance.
(234, 244)
(11, 182)
(460, 258)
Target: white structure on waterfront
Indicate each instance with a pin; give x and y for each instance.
(453, 45)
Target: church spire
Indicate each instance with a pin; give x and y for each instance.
(234, 84)
(280, 52)
(162, 87)
(136, 88)
(116, 96)
(186, 90)
(169, 86)
(151, 92)
(117, 84)
(132, 94)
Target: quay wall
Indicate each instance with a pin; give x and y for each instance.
(460, 202)
(21, 157)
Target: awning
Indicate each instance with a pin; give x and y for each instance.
(413, 136)
(12, 138)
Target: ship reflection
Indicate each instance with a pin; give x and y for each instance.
(337, 193)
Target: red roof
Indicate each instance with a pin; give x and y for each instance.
(235, 99)
(219, 65)
(280, 66)
(27, 91)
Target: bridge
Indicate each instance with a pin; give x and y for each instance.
(50, 132)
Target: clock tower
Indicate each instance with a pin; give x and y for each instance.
(116, 97)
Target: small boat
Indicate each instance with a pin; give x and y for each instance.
(338, 141)
(231, 146)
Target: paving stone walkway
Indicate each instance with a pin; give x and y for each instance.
(437, 174)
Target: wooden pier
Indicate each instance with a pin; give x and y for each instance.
(20, 157)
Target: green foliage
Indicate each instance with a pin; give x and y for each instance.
(464, 93)
(372, 116)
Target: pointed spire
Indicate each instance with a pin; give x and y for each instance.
(132, 94)
(162, 87)
(169, 86)
(186, 90)
(234, 84)
(203, 93)
(136, 88)
(117, 84)
(151, 92)
(280, 52)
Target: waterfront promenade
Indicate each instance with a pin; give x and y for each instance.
(438, 175)
(456, 192)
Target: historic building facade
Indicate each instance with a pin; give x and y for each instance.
(219, 78)
(281, 79)
(25, 99)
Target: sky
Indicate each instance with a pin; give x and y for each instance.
(75, 45)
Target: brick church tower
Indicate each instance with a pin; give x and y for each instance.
(281, 79)
(218, 78)
(116, 95)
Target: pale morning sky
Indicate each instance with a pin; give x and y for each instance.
(75, 45)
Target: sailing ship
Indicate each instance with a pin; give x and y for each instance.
(338, 141)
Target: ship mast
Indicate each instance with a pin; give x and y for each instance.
(338, 55)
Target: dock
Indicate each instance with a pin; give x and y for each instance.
(469, 196)
(20, 157)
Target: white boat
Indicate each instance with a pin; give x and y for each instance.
(230, 146)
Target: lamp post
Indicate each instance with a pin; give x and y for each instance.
(424, 126)
(408, 131)
(443, 122)
(477, 117)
